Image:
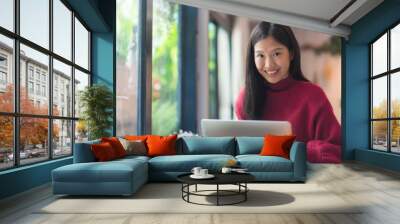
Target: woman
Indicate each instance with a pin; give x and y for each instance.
(276, 89)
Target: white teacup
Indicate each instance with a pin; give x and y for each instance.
(196, 170)
(226, 170)
(203, 172)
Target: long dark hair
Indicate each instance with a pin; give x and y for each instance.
(256, 85)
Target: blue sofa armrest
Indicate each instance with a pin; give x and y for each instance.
(83, 152)
(298, 156)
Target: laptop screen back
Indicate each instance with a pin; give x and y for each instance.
(255, 128)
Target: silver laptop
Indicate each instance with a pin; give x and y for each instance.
(216, 128)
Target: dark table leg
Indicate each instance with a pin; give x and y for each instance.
(245, 193)
(188, 189)
(217, 194)
(185, 188)
(182, 190)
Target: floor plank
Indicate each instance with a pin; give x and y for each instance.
(377, 190)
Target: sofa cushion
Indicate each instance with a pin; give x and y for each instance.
(277, 145)
(135, 147)
(130, 158)
(185, 163)
(136, 137)
(208, 145)
(257, 163)
(249, 145)
(116, 145)
(103, 152)
(111, 171)
(161, 145)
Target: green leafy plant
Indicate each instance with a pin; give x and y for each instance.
(96, 102)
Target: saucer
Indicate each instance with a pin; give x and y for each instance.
(208, 176)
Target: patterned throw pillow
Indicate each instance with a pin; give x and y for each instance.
(135, 147)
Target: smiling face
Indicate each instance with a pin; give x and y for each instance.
(272, 59)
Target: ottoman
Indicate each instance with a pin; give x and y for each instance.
(118, 177)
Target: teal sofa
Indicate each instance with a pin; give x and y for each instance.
(125, 176)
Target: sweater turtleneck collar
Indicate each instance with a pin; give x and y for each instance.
(282, 84)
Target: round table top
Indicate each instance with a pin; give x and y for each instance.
(220, 178)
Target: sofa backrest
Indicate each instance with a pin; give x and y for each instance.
(249, 145)
(83, 152)
(190, 146)
(206, 145)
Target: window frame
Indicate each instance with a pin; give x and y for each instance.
(220, 23)
(213, 110)
(16, 115)
(144, 70)
(388, 74)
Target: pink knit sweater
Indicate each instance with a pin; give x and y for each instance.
(307, 108)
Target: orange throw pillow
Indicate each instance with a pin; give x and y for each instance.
(275, 145)
(116, 145)
(103, 152)
(161, 145)
(136, 137)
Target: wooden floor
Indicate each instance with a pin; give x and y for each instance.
(378, 189)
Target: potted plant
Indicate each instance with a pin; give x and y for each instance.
(96, 102)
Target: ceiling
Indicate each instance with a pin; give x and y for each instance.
(334, 17)
(320, 9)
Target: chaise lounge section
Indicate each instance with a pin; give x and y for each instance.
(88, 177)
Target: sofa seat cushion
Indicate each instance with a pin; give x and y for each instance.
(185, 163)
(257, 163)
(111, 171)
(133, 158)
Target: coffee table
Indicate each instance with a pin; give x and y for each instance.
(238, 179)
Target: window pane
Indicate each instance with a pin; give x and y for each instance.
(81, 45)
(62, 29)
(7, 14)
(34, 79)
(33, 139)
(62, 138)
(395, 94)
(379, 135)
(62, 89)
(6, 74)
(395, 47)
(81, 81)
(379, 97)
(35, 21)
(6, 142)
(165, 69)
(224, 76)
(379, 55)
(127, 23)
(81, 131)
(395, 136)
(212, 71)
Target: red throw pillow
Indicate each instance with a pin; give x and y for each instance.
(116, 145)
(103, 151)
(275, 145)
(161, 145)
(136, 137)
